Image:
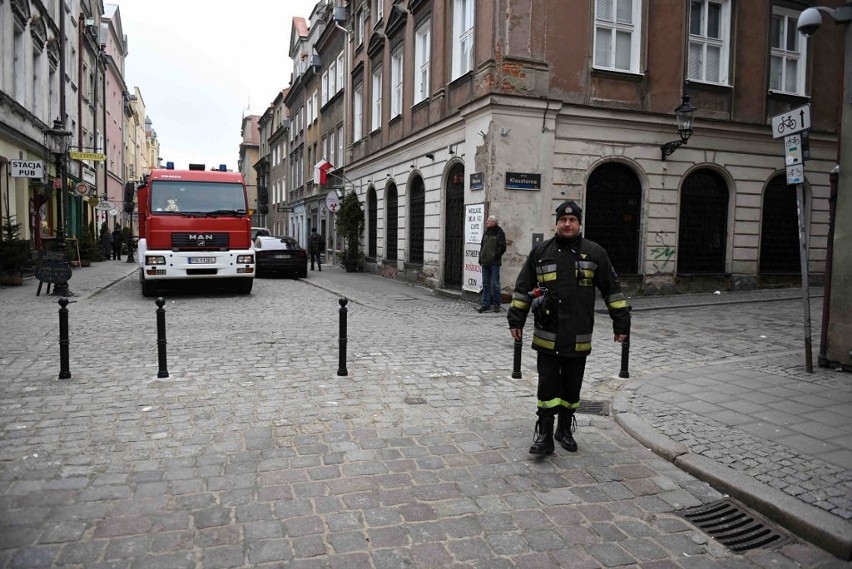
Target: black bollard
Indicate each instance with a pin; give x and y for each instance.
(516, 367)
(161, 338)
(625, 357)
(64, 366)
(341, 366)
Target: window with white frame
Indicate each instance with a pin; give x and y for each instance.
(358, 112)
(463, 16)
(396, 82)
(332, 80)
(325, 91)
(788, 53)
(709, 40)
(310, 110)
(359, 28)
(380, 11)
(316, 105)
(618, 33)
(340, 155)
(340, 84)
(376, 99)
(422, 57)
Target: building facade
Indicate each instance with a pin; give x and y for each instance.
(64, 106)
(455, 115)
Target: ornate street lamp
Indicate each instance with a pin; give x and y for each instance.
(684, 113)
(56, 142)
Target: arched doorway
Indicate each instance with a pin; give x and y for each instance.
(454, 228)
(417, 221)
(703, 227)
(392, 222)
(372, 220)
(779, 229)
(612, 216)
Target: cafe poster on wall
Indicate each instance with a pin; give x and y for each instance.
(473, 227)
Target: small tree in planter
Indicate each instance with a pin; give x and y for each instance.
(89, 248)
(15, 255)
(350, 224)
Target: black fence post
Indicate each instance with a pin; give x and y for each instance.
(516, 367)
(161, 338)
(64, 365)
(625, 357)
(341, 366)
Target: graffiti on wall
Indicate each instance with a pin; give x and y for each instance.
(662, 254)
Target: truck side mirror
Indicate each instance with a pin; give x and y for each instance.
(128, 197)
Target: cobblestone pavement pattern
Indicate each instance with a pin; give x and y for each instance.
(255, 453)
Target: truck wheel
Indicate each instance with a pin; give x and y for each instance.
(149, 289)
(244, 285)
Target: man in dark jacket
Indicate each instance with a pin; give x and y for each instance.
(315, 247)
(117, 240)
(558, 282)
(491, 251)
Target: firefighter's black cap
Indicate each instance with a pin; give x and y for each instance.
(569, 208)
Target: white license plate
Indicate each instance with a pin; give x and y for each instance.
(201, 260)
(281, 256)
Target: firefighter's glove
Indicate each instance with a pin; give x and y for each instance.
(540, 304)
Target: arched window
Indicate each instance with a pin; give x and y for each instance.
(612, 215)
(779, 229)
(703, 227)
(418, 220)
(372, 219)
(392, 222)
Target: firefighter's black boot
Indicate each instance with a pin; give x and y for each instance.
(543, 443)
(567, 424)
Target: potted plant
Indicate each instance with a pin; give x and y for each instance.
(89, 248)
(15, 255)
(350, 225)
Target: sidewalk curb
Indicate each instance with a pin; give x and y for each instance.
(806, 521)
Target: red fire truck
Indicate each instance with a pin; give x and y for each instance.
(193, 224)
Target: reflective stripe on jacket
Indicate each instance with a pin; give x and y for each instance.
(570, 270)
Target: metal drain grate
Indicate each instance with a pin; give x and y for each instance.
(594, 407)
(736, 526)
(415, 401)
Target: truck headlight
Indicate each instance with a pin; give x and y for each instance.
(155, 260)
(245, 259)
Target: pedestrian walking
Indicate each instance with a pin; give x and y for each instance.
(557, 282)
(117, 240)
(491, 251)
(316, 246)
(106, 241)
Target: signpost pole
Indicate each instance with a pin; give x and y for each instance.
(792, 126)
(803, 259)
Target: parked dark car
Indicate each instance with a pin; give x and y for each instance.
(280, 255)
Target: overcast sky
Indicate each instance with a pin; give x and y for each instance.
(200, 64)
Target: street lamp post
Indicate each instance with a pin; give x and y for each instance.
(56, 139)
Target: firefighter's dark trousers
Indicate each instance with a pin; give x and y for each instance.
(559, 383)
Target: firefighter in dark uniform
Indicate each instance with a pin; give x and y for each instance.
(557, 282)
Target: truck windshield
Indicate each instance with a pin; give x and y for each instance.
(183, 197)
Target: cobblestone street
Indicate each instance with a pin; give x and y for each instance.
(254, 452)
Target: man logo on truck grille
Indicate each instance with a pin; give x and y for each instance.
(199, 236)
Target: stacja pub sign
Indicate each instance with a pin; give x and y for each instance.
(26, 168)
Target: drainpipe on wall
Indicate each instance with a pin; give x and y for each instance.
(822, 359)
